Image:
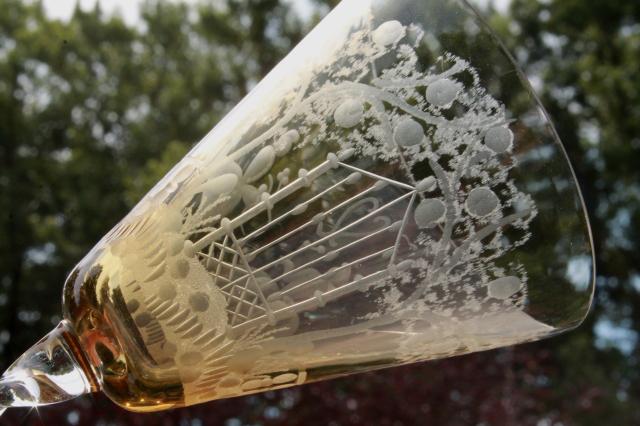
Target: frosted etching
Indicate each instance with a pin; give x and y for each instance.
(383, 183)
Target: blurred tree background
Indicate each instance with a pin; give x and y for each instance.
(93, 111)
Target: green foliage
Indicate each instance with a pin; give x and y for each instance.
(153, 170)
(585, 59)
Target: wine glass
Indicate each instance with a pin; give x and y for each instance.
(391, 192)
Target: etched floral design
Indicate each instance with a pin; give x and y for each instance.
(383, 181)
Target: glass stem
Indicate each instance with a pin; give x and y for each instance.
(53, 370)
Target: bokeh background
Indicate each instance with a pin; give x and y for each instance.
(96, 105)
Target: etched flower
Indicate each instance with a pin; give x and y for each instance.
(429, 212)
(427, 184)
(505, 287)
(408, 132)
(443, 92)
(388, 33)
(232, 184)
(499, 139)
(285, 142)
(349, 113)
(482, 202)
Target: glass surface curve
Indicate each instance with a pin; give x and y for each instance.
(391, 192)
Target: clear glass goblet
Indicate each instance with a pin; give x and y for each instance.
(391, 192)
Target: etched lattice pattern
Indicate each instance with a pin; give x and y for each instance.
(231, 275)
(231, 258)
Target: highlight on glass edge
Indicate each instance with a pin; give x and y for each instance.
(392, 192)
